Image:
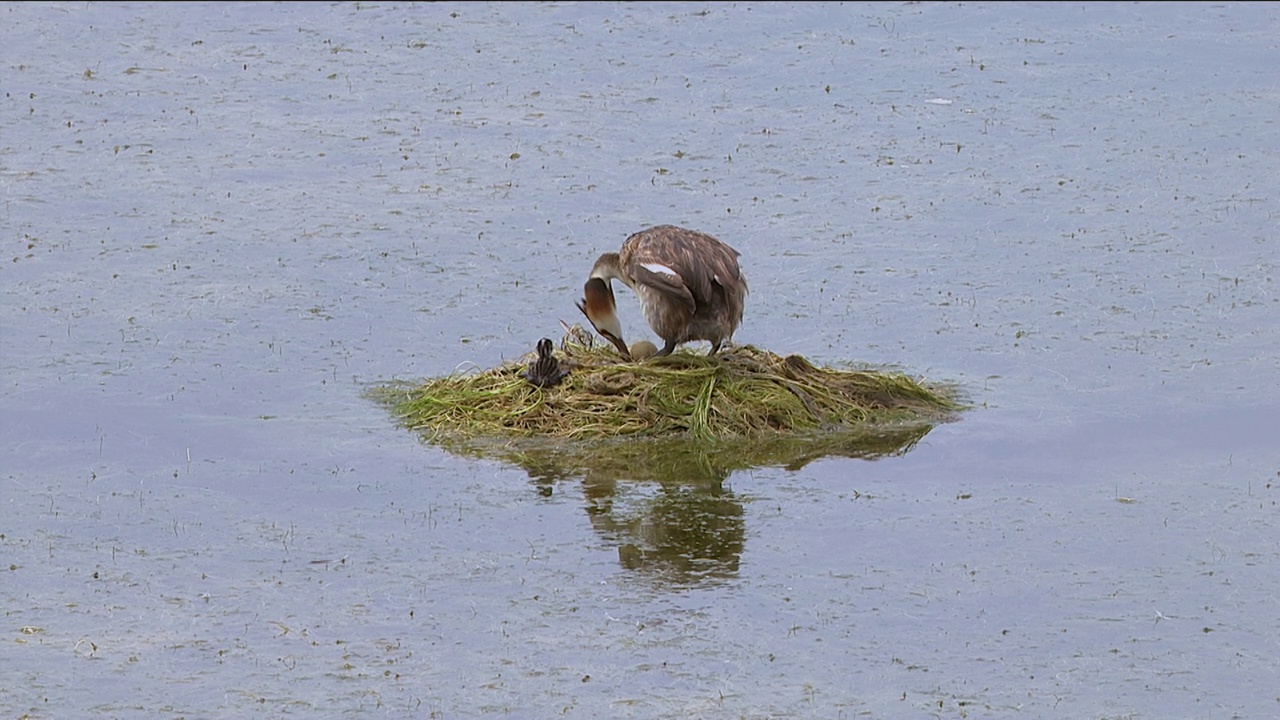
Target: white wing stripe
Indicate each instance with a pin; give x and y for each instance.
(659, 268)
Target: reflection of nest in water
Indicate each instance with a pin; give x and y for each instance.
(741, 393)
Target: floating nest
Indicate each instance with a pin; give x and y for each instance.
(742, 393)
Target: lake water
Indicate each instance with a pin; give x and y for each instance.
(224, 222)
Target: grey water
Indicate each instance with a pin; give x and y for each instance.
(223, 223)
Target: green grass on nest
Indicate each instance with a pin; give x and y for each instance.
(741, 393)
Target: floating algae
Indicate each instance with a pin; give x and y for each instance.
(740, 394)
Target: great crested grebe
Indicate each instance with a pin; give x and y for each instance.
(544, 371)
(689, 284)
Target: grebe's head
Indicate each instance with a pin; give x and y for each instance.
(600, 308)
(544, 348)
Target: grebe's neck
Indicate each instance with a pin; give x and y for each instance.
(609, 267)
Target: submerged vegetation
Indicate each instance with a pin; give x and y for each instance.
(741, 394)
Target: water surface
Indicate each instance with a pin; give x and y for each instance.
(224, 222)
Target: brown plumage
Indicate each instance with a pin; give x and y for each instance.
(545, 370)
(689, 284)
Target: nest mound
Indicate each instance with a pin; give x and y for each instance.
(742, 392)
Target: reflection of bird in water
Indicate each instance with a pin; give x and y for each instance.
(544, 371)
(689, 284)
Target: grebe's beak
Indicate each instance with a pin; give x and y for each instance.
(601, 309)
